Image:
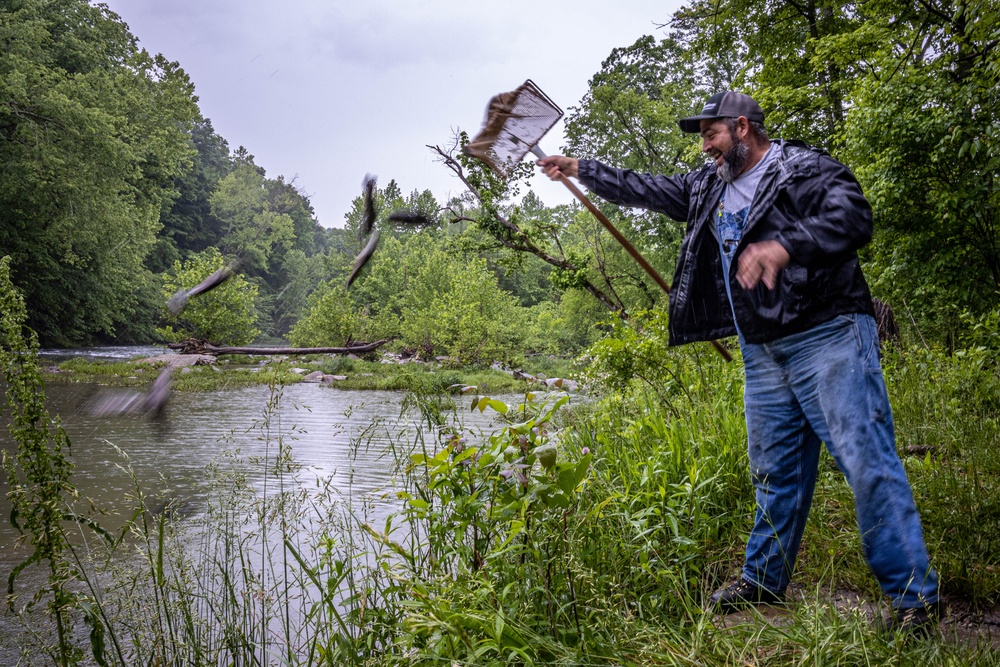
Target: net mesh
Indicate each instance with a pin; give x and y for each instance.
(515, 122)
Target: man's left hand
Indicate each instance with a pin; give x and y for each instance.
(761, 261)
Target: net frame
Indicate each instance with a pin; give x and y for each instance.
(515, 122)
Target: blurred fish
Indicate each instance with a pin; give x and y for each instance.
(150, 404)
(155, 399)
(410, 217)
(368, 221)
(111, 403)
(365, 231)
(362, 259)
(179, 300)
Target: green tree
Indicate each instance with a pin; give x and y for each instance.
(301, 275)
(924, 136)
(188, 223)
(778, 52)
(92, 134)
(285, 198)
(270, 226)
(253, 228)
(381, 289)
(331, 320)
(224, 316)
(564, 326)
(425, 291)
(454, 307)
(628, 116)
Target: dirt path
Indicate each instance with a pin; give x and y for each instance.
(961, 624)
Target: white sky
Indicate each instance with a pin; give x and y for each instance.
(327, 91)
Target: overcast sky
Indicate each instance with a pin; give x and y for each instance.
(325, 91)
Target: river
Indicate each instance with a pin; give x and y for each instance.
(336, 435)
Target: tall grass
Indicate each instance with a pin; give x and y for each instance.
(575, 533)
(618, 573)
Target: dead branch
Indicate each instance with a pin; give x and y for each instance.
(197, 346)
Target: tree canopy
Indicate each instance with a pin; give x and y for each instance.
(92, 134)
(115, 184)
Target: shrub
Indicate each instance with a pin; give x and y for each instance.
(455, 308)
(226, 315)
(330, 321)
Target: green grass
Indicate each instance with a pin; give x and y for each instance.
(620, 575)
(419, 378)
(116, 373)
(603, 555)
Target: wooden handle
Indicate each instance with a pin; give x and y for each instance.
(614, 232)
(630, 248)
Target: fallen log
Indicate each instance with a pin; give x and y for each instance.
(195, 346)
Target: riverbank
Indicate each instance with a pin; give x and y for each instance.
(593, 534)
(384, 371)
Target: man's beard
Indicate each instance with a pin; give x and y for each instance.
(734, 160)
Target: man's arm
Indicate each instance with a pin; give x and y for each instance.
(837, 219)
(669, 195)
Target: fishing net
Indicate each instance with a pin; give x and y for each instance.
(515, 122)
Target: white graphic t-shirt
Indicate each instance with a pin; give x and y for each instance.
(734, 208)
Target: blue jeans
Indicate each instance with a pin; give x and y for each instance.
(825, 385)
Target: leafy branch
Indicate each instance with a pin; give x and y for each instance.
(489, 189)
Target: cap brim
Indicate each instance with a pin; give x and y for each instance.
(693, 123)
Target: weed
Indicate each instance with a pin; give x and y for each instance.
(585, 534)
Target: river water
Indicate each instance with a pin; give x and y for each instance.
(341, 436)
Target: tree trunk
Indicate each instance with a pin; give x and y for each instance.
(196, 346)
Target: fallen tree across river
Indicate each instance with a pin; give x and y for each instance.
(197, 346)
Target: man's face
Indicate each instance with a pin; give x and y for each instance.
(725, 146)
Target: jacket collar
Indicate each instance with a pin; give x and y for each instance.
(795, 159)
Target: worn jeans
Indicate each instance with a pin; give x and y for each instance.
(825, 385)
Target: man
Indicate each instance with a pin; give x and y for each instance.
(770, 255)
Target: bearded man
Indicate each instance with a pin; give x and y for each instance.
(770, 255)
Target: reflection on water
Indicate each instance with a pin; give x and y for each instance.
(335, 435)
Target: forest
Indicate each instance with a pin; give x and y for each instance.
(117, 190)
(584, 529)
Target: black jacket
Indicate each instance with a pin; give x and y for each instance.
(806, 200)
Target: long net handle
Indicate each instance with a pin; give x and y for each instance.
(623, 241)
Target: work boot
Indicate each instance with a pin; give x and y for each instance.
(740, 595)
(913, 621)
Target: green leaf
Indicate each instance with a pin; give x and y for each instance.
(498, 406)
(546, 455)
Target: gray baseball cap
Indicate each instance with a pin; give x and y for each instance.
(728, 104)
